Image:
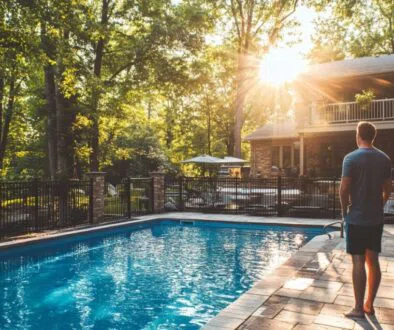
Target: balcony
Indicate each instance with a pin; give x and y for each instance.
(349, 112)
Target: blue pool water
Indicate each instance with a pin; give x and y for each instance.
(162, 275)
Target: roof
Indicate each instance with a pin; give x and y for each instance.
(362, 66)
(203, 159)
(232, 160)
(279, 130)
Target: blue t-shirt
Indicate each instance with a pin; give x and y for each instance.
(368, 168)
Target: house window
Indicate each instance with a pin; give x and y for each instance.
(284, 156)
(275, 156)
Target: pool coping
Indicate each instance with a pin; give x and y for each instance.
(191, 216)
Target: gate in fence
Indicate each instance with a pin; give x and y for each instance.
(133, 196)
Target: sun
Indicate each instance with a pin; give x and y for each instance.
(281, 66)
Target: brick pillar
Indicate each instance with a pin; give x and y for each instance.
(158, 191)
(97, 196)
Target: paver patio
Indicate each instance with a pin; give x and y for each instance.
(314, 295)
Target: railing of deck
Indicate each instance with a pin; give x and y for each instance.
(333, 113)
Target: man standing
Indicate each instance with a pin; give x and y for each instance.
(365, 188)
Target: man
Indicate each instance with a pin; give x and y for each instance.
(365, 188)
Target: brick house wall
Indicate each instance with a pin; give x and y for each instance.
(261, 158)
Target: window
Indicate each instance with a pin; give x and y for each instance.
(275, 156)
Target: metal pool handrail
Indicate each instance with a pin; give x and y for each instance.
(334, 223)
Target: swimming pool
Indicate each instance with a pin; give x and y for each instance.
(159, 275)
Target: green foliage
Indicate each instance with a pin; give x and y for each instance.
(365, 98)
(161, 92)
(352, 28)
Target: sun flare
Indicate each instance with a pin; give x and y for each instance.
(281, 66)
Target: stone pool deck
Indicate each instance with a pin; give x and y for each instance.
(311, 290)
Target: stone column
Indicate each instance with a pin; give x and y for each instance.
(158, 191)
(96, 211)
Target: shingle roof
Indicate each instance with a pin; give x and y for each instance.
(280, 130)
(362, 66)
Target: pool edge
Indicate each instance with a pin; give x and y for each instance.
(66, 232)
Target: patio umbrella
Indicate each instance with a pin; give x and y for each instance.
(232, 161)
(204, 159)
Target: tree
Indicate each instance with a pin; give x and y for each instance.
(353, 29)
(258, 26)
(15, 47)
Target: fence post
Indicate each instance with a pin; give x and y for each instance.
(98, 185)
(279, 196)
(35, 191)
(334, 212)
(236, 194)
(181, 206)
(158, 191)
(128, 196)
(91, 201)
(151, 195)
(64, 216)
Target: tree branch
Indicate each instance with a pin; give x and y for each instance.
(233, 10)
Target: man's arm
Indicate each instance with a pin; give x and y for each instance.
(344, 193)
(387, 188)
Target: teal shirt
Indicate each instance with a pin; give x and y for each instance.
(368, 168)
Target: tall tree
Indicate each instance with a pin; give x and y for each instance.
(14, 49)
(258, 24)
(353, 29)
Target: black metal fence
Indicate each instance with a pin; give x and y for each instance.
(39, 205)
(303, 197)
(279, 196)
(133, 196)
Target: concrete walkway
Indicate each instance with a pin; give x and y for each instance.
(312, 290)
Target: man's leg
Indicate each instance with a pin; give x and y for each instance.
(359, 283)
(374, 277)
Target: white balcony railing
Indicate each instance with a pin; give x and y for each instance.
(347, 112)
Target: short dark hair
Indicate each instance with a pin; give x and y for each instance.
(366, 131)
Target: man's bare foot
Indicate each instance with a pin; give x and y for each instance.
(369, 310)
(358, 313)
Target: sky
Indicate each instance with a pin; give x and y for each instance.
(305, 17)
(285, 62)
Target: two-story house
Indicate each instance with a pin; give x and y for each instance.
(326, 115)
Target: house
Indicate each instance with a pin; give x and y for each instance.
(326, 116)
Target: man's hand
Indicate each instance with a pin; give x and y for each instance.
(344, 193)
(387, 188)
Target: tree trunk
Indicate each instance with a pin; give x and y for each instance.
(209, 127)
(94, 156)
(239, 105)
(50, 95)
(64, 114)
(7, 119)
(1, 103)
(62, 125)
